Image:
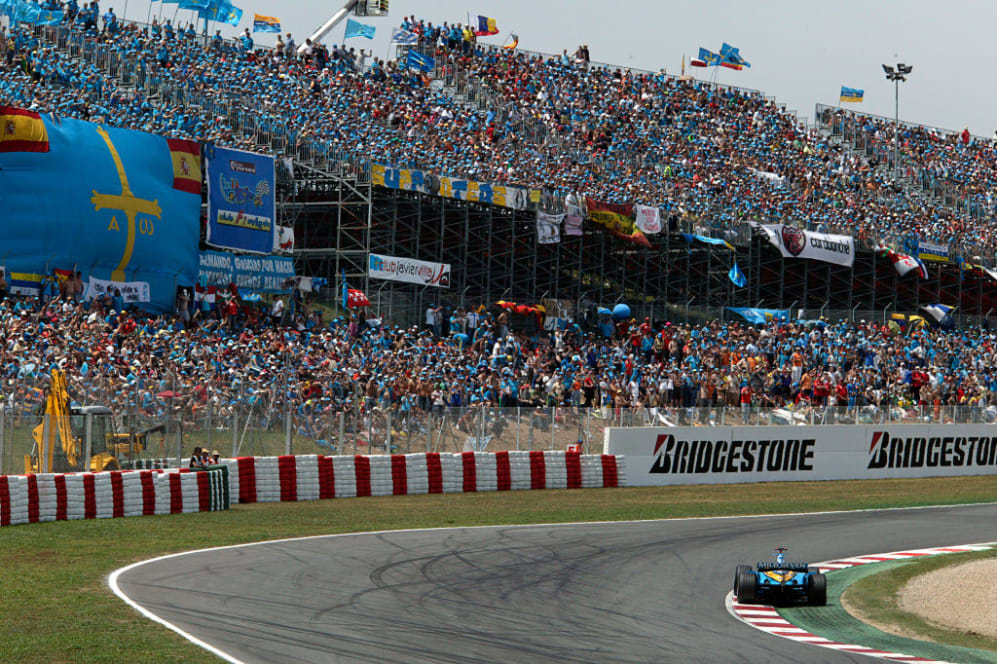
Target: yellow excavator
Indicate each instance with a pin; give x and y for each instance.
(79, 438)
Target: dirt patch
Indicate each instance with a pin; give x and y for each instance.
(889, 628)
(960, 597)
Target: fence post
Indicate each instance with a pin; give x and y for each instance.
(177, 423)
(3, 423)
(342, 431)
(287, 426)
(553, 423)
(387, 433)
(518, 423)
(235, 429)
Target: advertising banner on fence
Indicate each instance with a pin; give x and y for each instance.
(262, 274)
(118, 204)
(241, 200)
(464, 190)
(132, 292)
(409, 270)
(798, 243)
(728, 455)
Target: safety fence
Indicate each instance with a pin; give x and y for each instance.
(313, 477)
(148, 427)
(61, 497)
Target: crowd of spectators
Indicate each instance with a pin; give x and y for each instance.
(721, 155)
(471, 361)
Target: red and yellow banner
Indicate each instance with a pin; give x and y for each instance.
(617, 218)
(186, 157)
(22, 131)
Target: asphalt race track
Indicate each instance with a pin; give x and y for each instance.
(614, 592)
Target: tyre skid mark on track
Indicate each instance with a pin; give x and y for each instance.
(767, 619)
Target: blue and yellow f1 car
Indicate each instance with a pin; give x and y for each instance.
(780, 582)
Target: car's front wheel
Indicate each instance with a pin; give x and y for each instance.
(737, 573)
(747, 583)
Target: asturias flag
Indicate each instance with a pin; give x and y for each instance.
(737, 277)
(421, 62)
(484, 26)
(357, 29)
(851, 94)
(263, 23)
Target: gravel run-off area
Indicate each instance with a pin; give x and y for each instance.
(960, 597)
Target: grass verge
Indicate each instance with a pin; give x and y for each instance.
(874, 600)
(56, 608)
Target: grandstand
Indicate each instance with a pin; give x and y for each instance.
(710, 158)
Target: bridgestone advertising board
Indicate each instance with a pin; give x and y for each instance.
(729, 455)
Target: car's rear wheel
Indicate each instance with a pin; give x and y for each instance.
(813, 570)
(737, 573)
(747, 583)
(817, 590)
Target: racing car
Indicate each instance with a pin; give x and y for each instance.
(780, 582)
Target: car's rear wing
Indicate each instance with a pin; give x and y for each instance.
(796, 567)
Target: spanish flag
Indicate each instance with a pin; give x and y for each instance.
(22, 131)
(617, 218)
(186, 157)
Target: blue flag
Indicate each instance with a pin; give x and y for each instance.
(420, 61)
(346, 293)
(851, 94)
(357, 29)
(404, 37)
(737, 276)
(50, 17)
(26, 12)
(732, 56)
(222, 11)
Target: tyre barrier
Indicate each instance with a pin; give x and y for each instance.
(120, 493)
(299, 478)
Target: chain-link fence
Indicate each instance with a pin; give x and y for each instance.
(135, 432)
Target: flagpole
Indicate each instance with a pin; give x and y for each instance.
(148, 14)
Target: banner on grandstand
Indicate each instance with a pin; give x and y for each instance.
(263, 274)
(409, 270)
(648, 219)
(798, 243)
(736, 454)
(548, 228)
(120, 204)
(132, 292)
(929, 251)
(241, 200)
(283, 239)
(464, 190)
(572, 225)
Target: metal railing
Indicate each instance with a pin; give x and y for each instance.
(247, 428)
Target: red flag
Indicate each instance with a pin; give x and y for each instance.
(356, 299)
